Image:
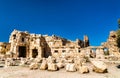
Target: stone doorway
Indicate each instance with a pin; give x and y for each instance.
(34, 53)
(45, 53)
(22, 51)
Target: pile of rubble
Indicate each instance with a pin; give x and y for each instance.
(54, 64)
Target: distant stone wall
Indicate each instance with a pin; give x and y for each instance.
(4, 47)
(111, 44)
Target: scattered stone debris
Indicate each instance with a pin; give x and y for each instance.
(83, 69)
(53, 53)
(60, 65)
(70, 67)
(52, 67)
(33, 66)
(99, 66)
(10, 62)
(44, 65)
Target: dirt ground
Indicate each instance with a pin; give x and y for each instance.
(25, 72)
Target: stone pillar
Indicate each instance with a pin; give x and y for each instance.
(27, 51)
(16, 51)
(30, 53)
(40, 52)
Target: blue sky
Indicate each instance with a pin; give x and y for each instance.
(70, 19)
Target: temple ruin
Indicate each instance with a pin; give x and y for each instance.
(52, 53)
(24, 44)
(27, 45)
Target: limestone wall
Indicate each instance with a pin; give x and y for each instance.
(111, 44)
(24, 44)
(4, 47)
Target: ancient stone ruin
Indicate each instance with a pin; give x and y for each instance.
(24, 44)
(111, 44)
(53, 52)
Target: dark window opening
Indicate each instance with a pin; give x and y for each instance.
(63, 51)
(34, 53)
(14, 36)
(23, 39)
(79, 51)
(56, 51)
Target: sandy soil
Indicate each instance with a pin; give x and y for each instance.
(24, 72)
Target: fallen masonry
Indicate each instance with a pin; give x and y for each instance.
(53, 53)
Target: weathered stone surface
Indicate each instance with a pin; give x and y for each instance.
(70, 60)
(4, 48)
(33, 66)
(92, 54)
(60, 65)
(99, 53)
(38, 60)
(52, 67)
(99, 66)
(10, 62)
(22, 61)
(71, 67)
(78, 63)
(51, 59)
(43, 66)
(111, 44)
(83, 69)
(25, 44)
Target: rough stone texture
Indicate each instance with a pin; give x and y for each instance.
(51, 59)
(33, 66)
(70, 60)
(100, 53)
(22, 62)
(99, 66)
(38, 60)
(43, 65)
(92, 54)
(4, 48)
(83, 69)
(71, 67)
(60, 65)
(78, 63)
(111, 44)
(52, 67)
(10, 62)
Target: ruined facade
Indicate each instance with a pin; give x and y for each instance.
(111, 44)
(4, 47)
(24, 44)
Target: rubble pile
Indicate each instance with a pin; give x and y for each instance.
(54, 53)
